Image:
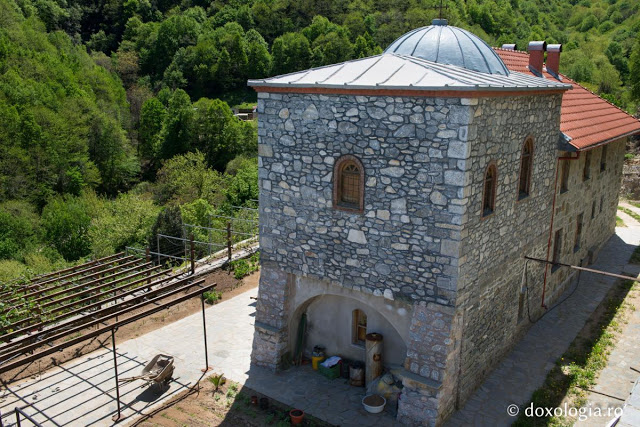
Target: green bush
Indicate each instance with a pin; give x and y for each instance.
(212, 297)
(244, 267)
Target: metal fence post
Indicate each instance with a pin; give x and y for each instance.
(116, 417)
(204, 332)
(229, 240)
(193, 255)
(158, 247)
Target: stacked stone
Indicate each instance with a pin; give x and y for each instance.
(405, 243)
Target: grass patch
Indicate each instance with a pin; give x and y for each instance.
(629, 212)
(579, 367)
(636, 204)
(619, 222)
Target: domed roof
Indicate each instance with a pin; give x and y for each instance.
(444, 44)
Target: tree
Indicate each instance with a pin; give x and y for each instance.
(291, 52)
(258, 56)
(169, 223)
(216, 131)
(634, 70)
(152, 116)
(66, 225)
(125, 221)
(185, 178)
(176, 130)
(243, 185)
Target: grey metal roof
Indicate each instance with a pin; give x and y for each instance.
(444, 44)
(402, 72)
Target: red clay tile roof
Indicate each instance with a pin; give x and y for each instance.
(586, 118)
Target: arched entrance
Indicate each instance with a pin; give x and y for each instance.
(337, 318)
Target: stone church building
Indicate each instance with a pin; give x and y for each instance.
(400, 194)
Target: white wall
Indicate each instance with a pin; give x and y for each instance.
(329, 323)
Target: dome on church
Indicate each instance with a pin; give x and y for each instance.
(445, 44)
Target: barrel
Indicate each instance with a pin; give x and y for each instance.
(373, 357)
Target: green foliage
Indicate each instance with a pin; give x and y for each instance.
(244, 267)
(19, 229)
(152, 116)
(634, 70)
(212, 297)
(291, 52)
(186, 178)
(243, 182)
(169, 223)
(125, 221)
(66, 222)
(217, 381)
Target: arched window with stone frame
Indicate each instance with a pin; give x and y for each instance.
(348, 184)
(526, 169)
(489, 190)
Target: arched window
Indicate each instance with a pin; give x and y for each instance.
(526, 168)
(359, 327)
(489, 194)
(348, 184)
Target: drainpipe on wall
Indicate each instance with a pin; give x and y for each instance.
(553, 213)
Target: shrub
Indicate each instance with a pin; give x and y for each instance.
(244, 267)
(212, 297)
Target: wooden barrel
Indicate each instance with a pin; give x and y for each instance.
(373, 358)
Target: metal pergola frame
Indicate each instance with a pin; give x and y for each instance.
(117, 286)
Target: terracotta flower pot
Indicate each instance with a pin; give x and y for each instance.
(297, 416)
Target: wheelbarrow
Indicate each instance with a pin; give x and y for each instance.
(158, 371)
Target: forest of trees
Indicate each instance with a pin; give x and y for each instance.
(116, 113)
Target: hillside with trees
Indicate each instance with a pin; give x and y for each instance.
(117, 113)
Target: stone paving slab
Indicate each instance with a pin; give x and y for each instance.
(526, 367)
(617, 379)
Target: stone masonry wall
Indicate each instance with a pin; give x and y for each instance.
(493, 247)
(492, 264)
(405, 245)
(597, 200)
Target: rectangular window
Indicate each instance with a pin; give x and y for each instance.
(564, 186)
(359, 327)
(586, 173)
(576, 245)
(557, 249)
(603, 159)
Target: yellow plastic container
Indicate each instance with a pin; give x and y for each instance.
(315, 361)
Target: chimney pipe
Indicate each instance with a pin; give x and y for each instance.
(553, 59)
(509, 46)
(536, 56)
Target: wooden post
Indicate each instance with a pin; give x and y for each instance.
(229, 240)
(193, 255)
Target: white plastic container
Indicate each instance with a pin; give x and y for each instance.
(374, 409)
